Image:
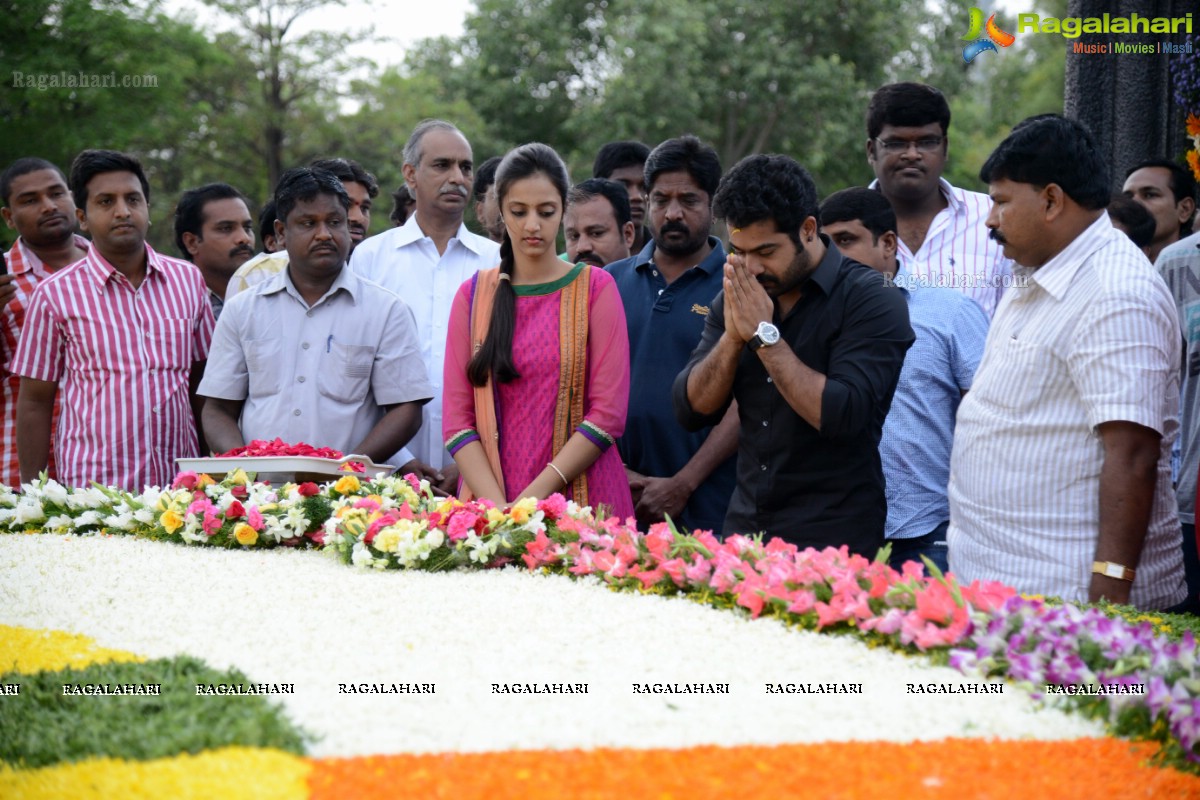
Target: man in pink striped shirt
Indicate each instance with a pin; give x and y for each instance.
(120, 334)
(38, 205)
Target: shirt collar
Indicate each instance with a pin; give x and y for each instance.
(1056, 275)
(826, 273)
(411, 232)
(22, 259)
(949, 191)
(281, 281)
(713, 260)
(102, 271)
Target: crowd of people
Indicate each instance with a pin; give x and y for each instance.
(1003, 383)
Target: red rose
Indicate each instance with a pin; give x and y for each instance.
(308, 489)
(235, 511)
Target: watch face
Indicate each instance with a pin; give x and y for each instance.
(768, 333)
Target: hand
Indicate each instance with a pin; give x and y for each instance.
(1114, 590)
(425, 472)
(662, 497)
(448, 485)
(637, 482)
(8, 289)
(746, 301)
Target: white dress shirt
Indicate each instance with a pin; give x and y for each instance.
(407, 262)
(319, 374)
(957, 252)
(1093, 337)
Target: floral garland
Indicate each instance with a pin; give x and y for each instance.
(397, 523)
(1185, 75)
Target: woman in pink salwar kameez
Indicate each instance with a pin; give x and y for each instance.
(536, 382)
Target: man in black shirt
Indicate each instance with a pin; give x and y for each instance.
(810, 344)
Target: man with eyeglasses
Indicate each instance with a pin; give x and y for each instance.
(943, 239)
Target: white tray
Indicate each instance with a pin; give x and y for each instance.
(281, 469)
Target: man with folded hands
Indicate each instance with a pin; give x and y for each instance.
(315, 353)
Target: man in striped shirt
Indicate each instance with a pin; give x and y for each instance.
(38, 205)
(943, 239)
(120, 334)
(1060, 477)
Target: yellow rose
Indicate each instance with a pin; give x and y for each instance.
(204, 480)
(347, 484)
(171, 520)
(495, 516)
(245, 534)
(238, 477)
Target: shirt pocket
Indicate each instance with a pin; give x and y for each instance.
(264, 366)
(1026, 373)
(346, 375)
(170, 344)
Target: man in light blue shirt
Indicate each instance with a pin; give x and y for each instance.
(919, 430)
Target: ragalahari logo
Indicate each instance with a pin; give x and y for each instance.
(978, 44)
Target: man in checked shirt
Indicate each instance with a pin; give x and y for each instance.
(38, 206)
(121, 333)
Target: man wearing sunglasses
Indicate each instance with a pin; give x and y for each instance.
(943, 241)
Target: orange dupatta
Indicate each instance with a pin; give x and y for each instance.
(572, 342)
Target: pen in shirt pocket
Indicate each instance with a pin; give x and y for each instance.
(329, 343)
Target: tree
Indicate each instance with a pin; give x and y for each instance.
(774, 75)
(294, 72)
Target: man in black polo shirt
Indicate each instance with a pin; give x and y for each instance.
(810, 344)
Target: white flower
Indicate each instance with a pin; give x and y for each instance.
(91, 497)
(54, 492)
(361, 555)
(122, 522)
(29, 510)
(60, 523)
(88, 518)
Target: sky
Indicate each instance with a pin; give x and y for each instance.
(398, 23)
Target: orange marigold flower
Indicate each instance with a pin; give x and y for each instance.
(1193, 125)
(1193, 159)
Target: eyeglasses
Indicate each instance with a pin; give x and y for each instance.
(897, 146)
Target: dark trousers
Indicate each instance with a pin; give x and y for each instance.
(932, 544)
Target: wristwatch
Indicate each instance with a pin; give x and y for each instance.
(1111, 570)
(766, 335)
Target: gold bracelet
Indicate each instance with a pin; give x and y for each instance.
(560, 473)
(1111, 570)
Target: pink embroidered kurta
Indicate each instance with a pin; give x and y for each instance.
(525, 406)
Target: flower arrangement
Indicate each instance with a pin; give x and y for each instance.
(392, 522)
(1185, 76)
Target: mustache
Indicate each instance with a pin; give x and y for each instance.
(588, 258)
(674, 227)
(242, 250)
(995, 235)
(461, 191)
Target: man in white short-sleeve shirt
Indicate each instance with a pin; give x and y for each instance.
(424, 261)
(315, 354)
(1060, 479)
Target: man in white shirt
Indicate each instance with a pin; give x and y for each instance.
(943, 239)
(1060, 477)
(315, 353)
(425, 261)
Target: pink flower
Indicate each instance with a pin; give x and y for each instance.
(699, 570)
(936, 604)
(553, 506)
(462, 524)
(254, 518)
(674, 568)
(212, 520)
(750, 595)
(803, 601)
(185, 480)
(235, 511)
(659, 540)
